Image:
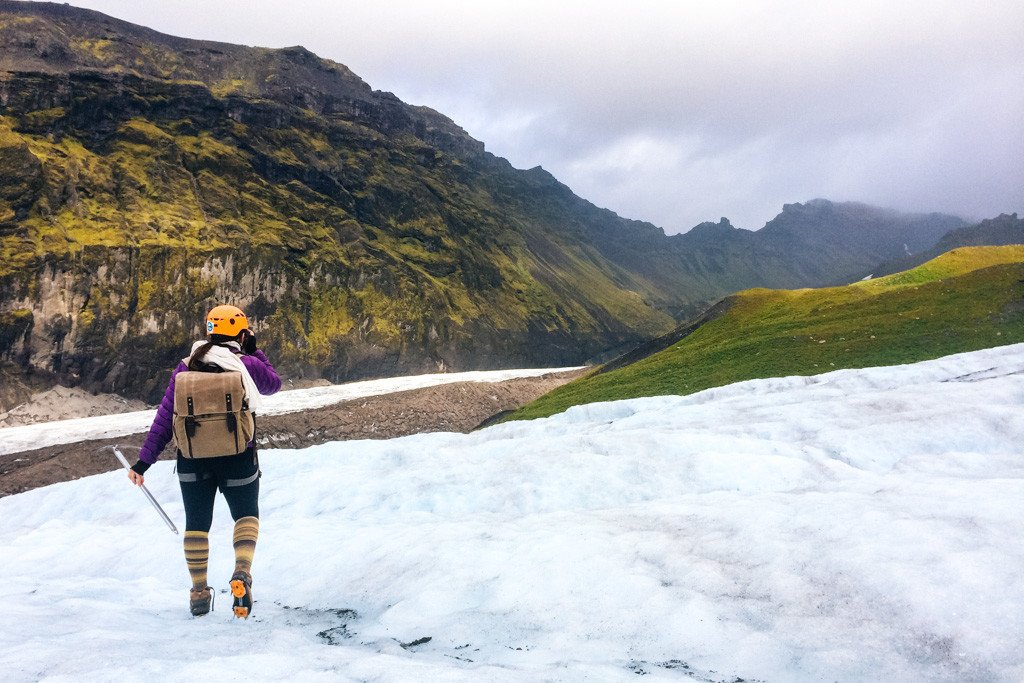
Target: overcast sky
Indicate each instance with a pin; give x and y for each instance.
(681, 112)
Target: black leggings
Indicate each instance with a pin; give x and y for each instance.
(237, 477)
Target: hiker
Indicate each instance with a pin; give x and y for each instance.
(210, 414)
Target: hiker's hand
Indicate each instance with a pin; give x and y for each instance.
(136, 478)
(248, 342)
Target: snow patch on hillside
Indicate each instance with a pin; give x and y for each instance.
(40, 435)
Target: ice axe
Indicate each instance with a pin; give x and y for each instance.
(124, 461)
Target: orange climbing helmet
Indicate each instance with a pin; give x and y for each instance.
(226, 320)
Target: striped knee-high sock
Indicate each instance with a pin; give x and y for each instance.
(247, 530)
(197, 555)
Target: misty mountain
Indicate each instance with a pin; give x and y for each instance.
(994, 232)
(144, 177)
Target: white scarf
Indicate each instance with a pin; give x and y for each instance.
(222, 356)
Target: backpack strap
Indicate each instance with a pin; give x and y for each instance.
(190, 424)
(231, 419)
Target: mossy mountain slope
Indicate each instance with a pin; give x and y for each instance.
(967, 299)
(144, 177)
(367, 237)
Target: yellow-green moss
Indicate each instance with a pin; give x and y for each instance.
(44, 117)
(231, 86)
(98, 48)
(329, 322)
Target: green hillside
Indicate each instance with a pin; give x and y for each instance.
(967, 299)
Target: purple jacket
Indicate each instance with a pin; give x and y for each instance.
(263, 374)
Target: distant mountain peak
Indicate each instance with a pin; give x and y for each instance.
(818, 203)
(711, 228)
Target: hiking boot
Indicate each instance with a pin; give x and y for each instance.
(200, 601)
(241, 592)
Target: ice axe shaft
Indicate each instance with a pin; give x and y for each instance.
(124, 461)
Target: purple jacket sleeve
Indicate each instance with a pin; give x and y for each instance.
(162, 429)
(262, 372)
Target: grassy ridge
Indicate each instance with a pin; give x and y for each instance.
(967, 299)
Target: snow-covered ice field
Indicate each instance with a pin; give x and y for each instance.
(861, 525)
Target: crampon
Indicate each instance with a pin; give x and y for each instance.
(241, 594)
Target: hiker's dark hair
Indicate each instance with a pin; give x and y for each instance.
(196, 361)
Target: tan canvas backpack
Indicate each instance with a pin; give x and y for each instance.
(211, 414)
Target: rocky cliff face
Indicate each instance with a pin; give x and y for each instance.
(144, 178)
(117, 319)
